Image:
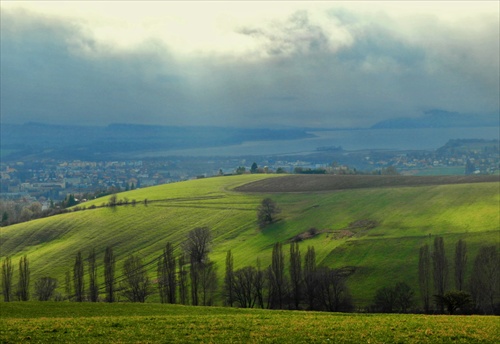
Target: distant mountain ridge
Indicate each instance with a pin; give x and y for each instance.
(438, 119)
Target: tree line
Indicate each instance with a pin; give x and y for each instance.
(191, 278)
(478, 294)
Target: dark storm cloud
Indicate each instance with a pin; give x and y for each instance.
(336, 69)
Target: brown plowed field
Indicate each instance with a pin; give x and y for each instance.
(314, 183)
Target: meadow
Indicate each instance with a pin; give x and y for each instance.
(65, 322)
(401, 219)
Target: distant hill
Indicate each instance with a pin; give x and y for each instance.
(377, 228)
(439, 119)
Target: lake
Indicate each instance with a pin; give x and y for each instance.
(393, 139)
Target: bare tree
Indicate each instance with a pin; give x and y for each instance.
(24, 279)
(244, 286)
(228, 279)
(332, 293)
(454, 300)
(136, 285)
(7, 273)
(309, 275)
(109, 274)
(460, 263)
(208, 283)
(424, 276)
(166, 275)
(93, 284)
(267, 212)
(45, 287)
(403, 294)
(296, 274)
(78, 278)
(485, 279)
(183, 288)
(440, 269)
(276, 277)
(384, 300)
(197, 246)
(67, 284)
(259, 283)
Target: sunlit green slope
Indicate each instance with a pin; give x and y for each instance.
(404, 218)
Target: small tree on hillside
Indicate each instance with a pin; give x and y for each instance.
(267, 212)
(24, 279)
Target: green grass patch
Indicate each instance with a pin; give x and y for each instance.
(155, 323)
(406, 217)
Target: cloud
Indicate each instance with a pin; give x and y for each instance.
(247, 64)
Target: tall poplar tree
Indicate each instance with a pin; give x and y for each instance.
(109, 274)
(229, 279)
(460, 263)
(309, 275)
(7, 273)
(424, 276)
(295, 273)
(24, 279)
(78, 280)
(93, 284)
(439, 270)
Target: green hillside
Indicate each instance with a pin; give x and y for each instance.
(378, 230)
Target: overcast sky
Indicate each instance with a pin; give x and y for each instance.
(324, 64)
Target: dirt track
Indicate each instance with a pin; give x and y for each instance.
(312, 183)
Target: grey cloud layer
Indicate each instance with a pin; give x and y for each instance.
(345, 70)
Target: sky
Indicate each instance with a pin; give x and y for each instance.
(247, 64)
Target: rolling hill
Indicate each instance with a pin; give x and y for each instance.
(368, 222)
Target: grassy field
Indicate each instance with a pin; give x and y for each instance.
(403, 218)
(66, 322)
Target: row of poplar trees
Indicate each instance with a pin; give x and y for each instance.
(191, 278)
(478, 294)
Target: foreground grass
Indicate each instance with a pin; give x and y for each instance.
(153, 323)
